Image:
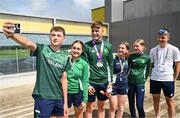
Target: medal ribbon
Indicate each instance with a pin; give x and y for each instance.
(122, 65)
(99, 54)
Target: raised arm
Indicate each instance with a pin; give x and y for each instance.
(9, 32)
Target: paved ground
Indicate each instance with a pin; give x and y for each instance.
(16, 100)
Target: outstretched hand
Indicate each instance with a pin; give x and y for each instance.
(8, 29)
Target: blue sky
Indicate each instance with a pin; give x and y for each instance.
(78, 10)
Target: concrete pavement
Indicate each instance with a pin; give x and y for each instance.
(13, 80)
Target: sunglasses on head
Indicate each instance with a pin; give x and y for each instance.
(163, 32)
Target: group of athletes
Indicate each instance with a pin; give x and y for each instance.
(89, 71)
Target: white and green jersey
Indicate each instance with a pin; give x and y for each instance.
(50, 65)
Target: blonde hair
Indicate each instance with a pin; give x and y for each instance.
(141, 42)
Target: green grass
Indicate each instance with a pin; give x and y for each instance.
(12, 53)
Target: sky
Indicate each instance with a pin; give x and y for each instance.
(77, 10)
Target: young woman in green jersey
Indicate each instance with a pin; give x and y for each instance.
(139, 64)
(78, 77)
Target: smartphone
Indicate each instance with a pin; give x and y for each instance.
(109, 90)
(17, 28)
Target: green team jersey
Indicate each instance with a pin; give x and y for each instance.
(78, 78)
(50, 65)
(99, 75)
(139, 65)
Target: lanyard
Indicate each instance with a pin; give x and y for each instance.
(122, 64)
(157, 55)
(99, 54)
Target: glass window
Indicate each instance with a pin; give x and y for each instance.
(15, 59)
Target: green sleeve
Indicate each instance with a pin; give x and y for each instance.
(39, 47)
(68, 64)
(110, 63)
(85, 81)
(148, 68)
(129, 66)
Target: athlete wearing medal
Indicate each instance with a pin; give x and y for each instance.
(98, 54)
(120, 83)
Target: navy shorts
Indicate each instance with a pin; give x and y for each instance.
(166, 86)
(75, 99)
(98, 88)
(44, 108)
(122, 91)
(120, 88)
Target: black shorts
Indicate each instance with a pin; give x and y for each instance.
(166, 86)
(98, 88)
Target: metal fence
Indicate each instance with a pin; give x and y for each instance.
(16, 61)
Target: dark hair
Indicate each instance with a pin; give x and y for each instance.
(96, 24)
(80, 42)
(127, 47)
(59, 29)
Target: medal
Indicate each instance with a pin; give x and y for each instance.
(99, 64)
(99, 54)
(121, 64)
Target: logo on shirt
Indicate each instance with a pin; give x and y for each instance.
(56, 64)
(142, 61)
(37, 111)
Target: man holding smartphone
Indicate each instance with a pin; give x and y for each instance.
(50, 91)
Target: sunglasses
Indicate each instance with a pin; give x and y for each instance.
(163, 32)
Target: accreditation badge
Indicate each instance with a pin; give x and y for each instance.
(161, 68)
